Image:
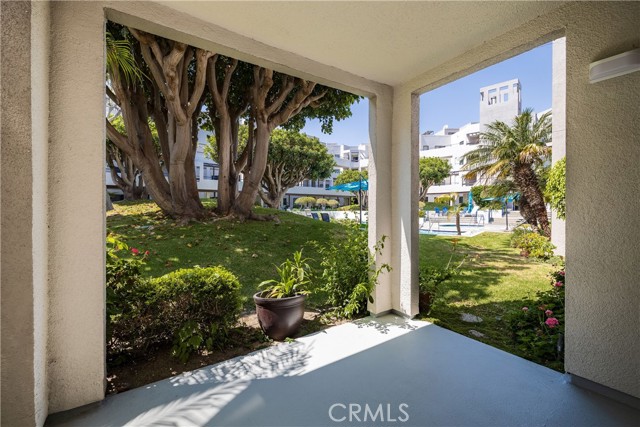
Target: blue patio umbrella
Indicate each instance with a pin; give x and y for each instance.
(355, 186)
(362, 185)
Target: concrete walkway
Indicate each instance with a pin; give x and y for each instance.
(374, 372)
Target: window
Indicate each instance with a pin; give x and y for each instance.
(439, 146)
(505, 97)
(425, 147)
(461, 199)
(354, 157)
(461, 142)
(493, 96)
(209, 172)
(198, 173)
(461, 162)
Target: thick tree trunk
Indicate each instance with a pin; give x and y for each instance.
(107, 201)
(182, 176)
(527, 180)
(247, 198)
(223, 139)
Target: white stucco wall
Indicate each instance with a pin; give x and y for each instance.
(76, 207)
(602, 227)
(559, 108)
(404, 216)
(20, 399)
(380, 194)
(40, 21)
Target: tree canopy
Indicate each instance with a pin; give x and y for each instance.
(293, 157)
(432, 170)
(557, 188)
(350, 175)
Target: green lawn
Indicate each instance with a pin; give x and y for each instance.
(494, 279)
(248, 249)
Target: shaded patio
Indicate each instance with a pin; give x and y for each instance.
(443, 377)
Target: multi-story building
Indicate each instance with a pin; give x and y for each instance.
(501, 101)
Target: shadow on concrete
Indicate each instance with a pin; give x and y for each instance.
(443, 379)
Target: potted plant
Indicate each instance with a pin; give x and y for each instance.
(280, 303)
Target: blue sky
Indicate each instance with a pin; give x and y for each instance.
(457, 103)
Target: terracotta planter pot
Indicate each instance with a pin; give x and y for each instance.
(279, 317)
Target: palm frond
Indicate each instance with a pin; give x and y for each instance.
(120, 59)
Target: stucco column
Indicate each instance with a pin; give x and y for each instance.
(76, 206)
(404, 203)
(23, 176)
(559, 108)
(380, 111)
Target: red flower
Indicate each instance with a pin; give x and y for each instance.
(558, 284)
(552, 322)
(135, 251)
(146, 253)
(549, 313)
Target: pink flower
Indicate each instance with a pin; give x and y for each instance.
(561, 273)
(146, 253)
(135, 251)
(549, 313)
(558, 284)
(525, 308)
(551, 322)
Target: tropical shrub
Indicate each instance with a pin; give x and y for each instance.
(293, 277)
(191, 308)
(531, 243)
(430, 280)
(305, 201)
(349, 208)
(322, 202)
(538, 327)
(556, 188)
(196, 307)
(349, 271)
(332, 203)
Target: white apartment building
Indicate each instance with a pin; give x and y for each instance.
(501, 101)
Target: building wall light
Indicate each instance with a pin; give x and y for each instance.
(615, 66)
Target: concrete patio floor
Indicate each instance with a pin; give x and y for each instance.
(443, 378)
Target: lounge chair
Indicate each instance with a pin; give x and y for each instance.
(437, 211)
(314, 215)
(325, 217)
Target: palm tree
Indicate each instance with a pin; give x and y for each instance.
(513, 153)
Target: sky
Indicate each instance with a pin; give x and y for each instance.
(457, 103)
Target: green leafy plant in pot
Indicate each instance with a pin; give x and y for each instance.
(280, 303)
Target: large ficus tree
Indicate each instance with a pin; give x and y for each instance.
(515, 154)
(293, 157)
(264, 100)
(174, 81)
(431, 171)
(149, 77)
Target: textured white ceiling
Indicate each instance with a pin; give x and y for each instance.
(388, 42)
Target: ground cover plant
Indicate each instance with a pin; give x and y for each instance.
(249, 250)
(494, 281)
